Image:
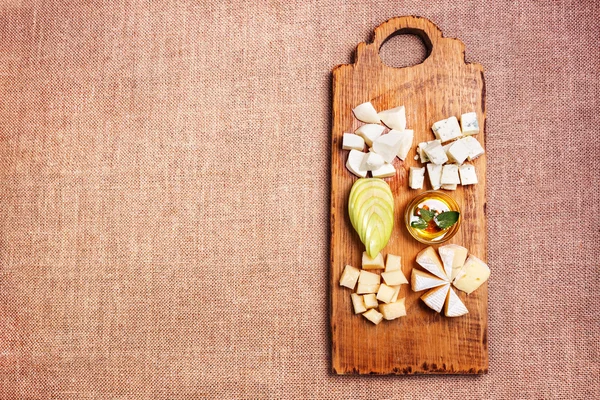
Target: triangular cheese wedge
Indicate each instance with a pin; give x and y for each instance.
(453, 257)
(454, 306)
(394, 118)
(429, 260)
(472, 275)
(436, 297)
(422, 280)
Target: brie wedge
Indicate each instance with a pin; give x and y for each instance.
(365, 112)
(469, 124)
(394, 118)
(358, 303)
(454, 306)
(429, 260)
(472, 275)
(373, 315)
(393, 310)
(434, 171)
(436, 297)
(422, 280)
(453, 257)
(349, 277)
(351, 141)
(370, 132)
(355, 163)
(416, 177)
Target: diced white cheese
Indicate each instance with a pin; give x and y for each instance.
(416, 177)
(453, 257)
(365, 112)
(351, 141)
(450, 175)
(396, 292)
(372, 161)
(435, 153)
(459, 151)
(394, 278)
(385, 171)
(454, 306)
(447, 129)
(358, 303)
(428, 259)
(373, 315)
(435, 298)
(472, 275)
(416, 157)
(392, 263)
(371, 300)
(407, 141)
(394, 118)
(422, 280)
(421, 149)
(370, 132)
(364, 288)
(446, 147)
(475, 148)
(449, 187)
(434, 171)
(355, 163)
(387, 146)
(468, 176)
(372, 263)
(393, 310)
(469, 124)
(385, 293)
(349, 277)
(369, 278)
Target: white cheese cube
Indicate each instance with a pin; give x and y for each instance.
(468, 176)
(387, 146)
(364, 288)
(475, 148)
(369, 278)
(365, 112)
(351, 141)
(371, 300)
(447, 129)
(435, 298)
(472, 275)
(372, 263)
(446, 147)
(435, 153)
(453, 257)
(393, 310)
(459, 151)
(370, 132)
(392, 263)
(396, 292)
(450, 175)
(394, 118)
(428, 259)
(454, 306)
(385, 293)
(385, 171)
(407, 141)
(421, 149)
(358, 303)
(449, 187)
(394, 278)
(355, 163)
(349, 277)
(469, 124)
(416, 177)
(372, 161)
(434, 171)
(422, 280)
(374, 316)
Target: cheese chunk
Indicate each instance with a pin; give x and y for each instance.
(385, 171)
(349, 277)
(469, 124)
(373, 315)
(428, 259)
(435, 153)
(449, 187)
(472, 275)
(475, 148)
(434, 171)
(372, 161)
(351, 141)
(393, 278)
(393, 310)
(370, 132)
(421, 149)
(468, 176)
(396, 292)
(385, 293)
(407, 141)
(372, 263)
(422, 280)
(447, 129)
(358, 303)
(453, 258)
(454, 306)
(387, 146)
(394, 118)
(355, 163)
(364, 288)
(450, 175)
(369, 278)
(458, 151)
(435, 298)
(416, 177)
(392, 263)
(446, 147)
(371, 300)
(365, 112)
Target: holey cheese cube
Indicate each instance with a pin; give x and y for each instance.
(393, 310)
(435, 153)
(468, 176)
(373, 315)
(450, 175)
(349, 277)
(416, 177)
(472, 275)
(469, 124)
(351, 141)
(447, 129)
(385, 293)
(370, 300)
(358, 303)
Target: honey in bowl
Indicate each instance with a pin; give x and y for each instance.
(424, 214)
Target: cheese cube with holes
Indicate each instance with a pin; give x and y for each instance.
(385, 293)
(349, 277)
(372, 263)
(373, 315)
(371, 300)
(428, 259)
(416, 177)
(472, 275)
(434, 171)
(393, 310)
(351, 141)
(392, 263)
(459, 151)
(435, 152)
(393, 278)
(369, 278)
(450, 175)
(365, 288)
(358, 303)
(447, 129)
(469, 124)
(468, 176)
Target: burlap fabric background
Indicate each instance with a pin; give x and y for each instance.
(164, 196)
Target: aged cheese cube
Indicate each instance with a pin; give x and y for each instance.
(454, 306)
(447, 129)
(422, 280)
(371, 300)
(351, 141)
(453, 257)
(475, 148)
(393, 310)
(358, 303)
(450, 175)
(459, 151)
(385, 171)
(392, 263)
(369, 278)
(396, 292)
(416, 177)
(394, 118)
(372, 263)
(365, 112)
(469, 124)
(435, 153)
(472, 275)
(436, 297)
(468, 176)
(364, 288)
(370, 132)
(434, 171)
(373, 315)
(355, 163)
(385, 293)
(393, 278)
(428, 259)
(349, 277)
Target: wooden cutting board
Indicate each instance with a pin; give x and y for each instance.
(423, 342)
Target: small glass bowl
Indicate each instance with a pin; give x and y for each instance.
(434, 197)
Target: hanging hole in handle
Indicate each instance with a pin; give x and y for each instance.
(405, 48)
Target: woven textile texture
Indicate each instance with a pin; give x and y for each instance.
(164, 197)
